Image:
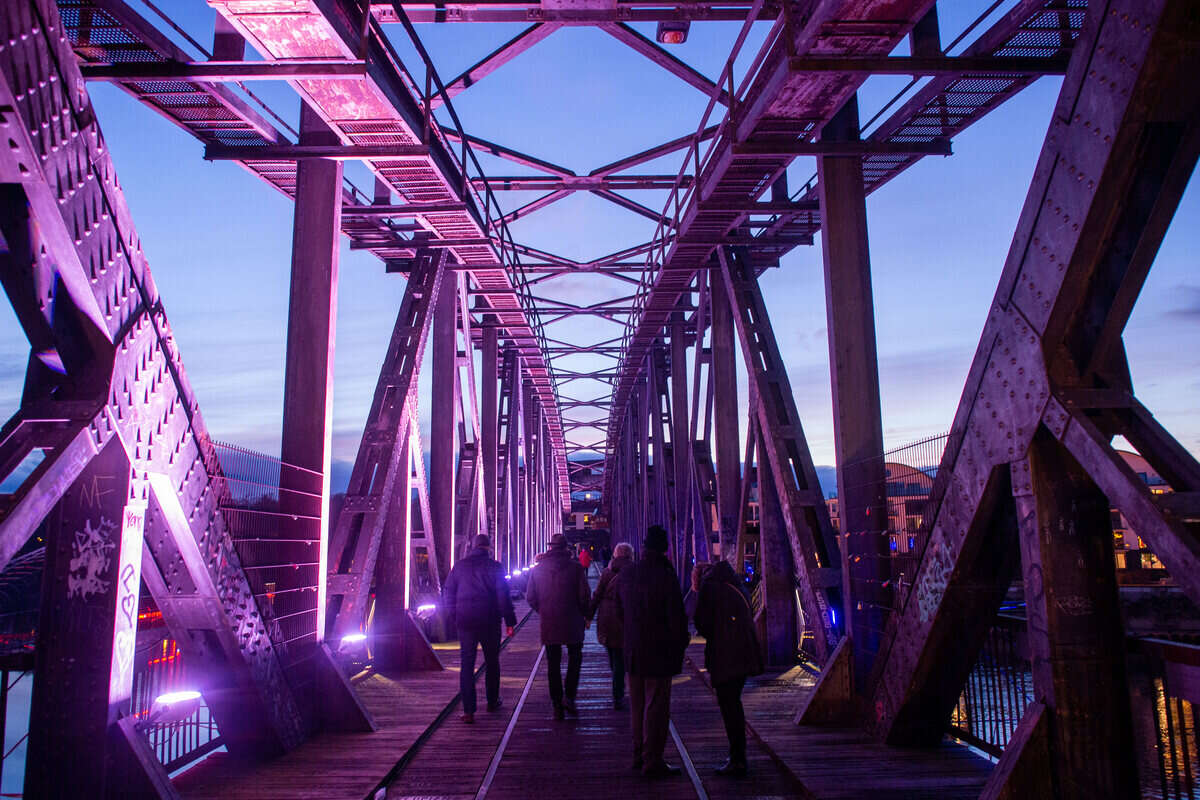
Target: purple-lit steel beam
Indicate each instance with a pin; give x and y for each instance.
(854, 376)
(509, 154)
(354, 543)
(815, 552)
(443, 444)
(723, 378)
(496, 59)
(931, 65)
(523, 12)
(490, 355)
(307, 435)
(535, 205)
(630, 205)
(648, 48)
(132, 392)
(658, 151)
(1049, 389)
(217, 71)
(576, 183)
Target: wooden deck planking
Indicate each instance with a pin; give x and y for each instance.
(452, 762)
(841, 763)
(341, 766)
(587, 756)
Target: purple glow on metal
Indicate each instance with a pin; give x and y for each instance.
(426, 607)
(171, 698)
(353, 638)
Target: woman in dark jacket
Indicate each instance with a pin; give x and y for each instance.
(609, 625)
(731, 654)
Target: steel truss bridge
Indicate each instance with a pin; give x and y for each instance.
(144, 516)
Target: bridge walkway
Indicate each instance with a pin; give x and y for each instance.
(423, 751)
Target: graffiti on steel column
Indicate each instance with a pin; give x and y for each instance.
(91, 555)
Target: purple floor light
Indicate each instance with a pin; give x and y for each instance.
(173, 707)
(352, 640)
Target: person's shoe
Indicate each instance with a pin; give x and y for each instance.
(569, 705)
(468, 718)
(496, 705)
(618, 703)
(733, 768)
(660, 770)
(559, 713)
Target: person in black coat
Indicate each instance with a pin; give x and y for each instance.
(731, 653)
(475, 599)
(610, 629)
(656, 636)
(558, 591)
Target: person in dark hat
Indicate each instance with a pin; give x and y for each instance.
(558, 591)
(656, 636)
(475, 599)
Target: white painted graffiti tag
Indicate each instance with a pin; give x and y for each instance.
(91, 553)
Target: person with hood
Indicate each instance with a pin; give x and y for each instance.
(609, 628)
(475, 599)
(558, 591)
(731, 653)
(656, 636)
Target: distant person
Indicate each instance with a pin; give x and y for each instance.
(558, 591)
(693, 596)
(476, 598)
(656, 636)
(731, 653)
(610, 628)
(585, 558)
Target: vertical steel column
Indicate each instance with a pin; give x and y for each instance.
(488, 434)
(87, 630)
(723, 378)
(681, 444)
(532, 512)
(392, 569)
(776, 566)
(443, 445)
(857, 420)
(312, 320)
(516, 492)
(1076, 636)
(642, 426)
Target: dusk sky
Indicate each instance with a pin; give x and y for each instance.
(218, 239)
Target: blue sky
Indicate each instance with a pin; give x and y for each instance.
(219, 240)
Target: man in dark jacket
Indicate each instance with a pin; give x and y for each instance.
(656, 636)
(558, 591)
(610, 628)
(731, 654)
(475, 598)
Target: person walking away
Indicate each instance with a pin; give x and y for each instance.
(585, 558)
(558, 592)
(656, 636)
(476, 598)
(610, 629)
(693, 596)
(731, 654)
